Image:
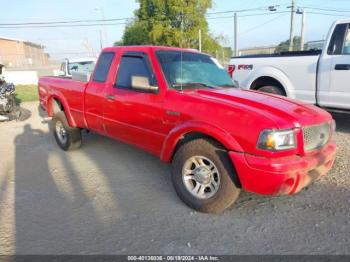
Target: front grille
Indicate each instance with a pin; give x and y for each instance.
(316, 136)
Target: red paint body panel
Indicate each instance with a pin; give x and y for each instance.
(235, 118)
(285, 175)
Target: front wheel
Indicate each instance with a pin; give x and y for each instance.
(203, 176)
(67, 137)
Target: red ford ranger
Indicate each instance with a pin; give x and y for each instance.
(182, 106)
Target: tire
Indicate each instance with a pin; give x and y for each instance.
(276, 90)
(11, 104)
(209, 201)
(67, 137)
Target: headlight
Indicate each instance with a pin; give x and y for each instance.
(277, 140)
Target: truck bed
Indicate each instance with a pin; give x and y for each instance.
(72, 91)
(315, 52)
(296, 70)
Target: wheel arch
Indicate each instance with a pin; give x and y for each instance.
(266, 81)
(175, 142)
(56, 104)
(193, 130)
(273, 75)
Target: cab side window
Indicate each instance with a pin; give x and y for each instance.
(340, 40)
(102, 67)
(346, 45)
(132, 65)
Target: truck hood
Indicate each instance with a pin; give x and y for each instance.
(285, 112)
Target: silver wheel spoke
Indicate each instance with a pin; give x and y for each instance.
(189, 177)
(201, 190)
(196, 162)
(213, 182)
(211, 167)
(188, 172)
(201, 162)
(196, 188)
(212, 188)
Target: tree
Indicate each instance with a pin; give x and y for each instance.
(284, 46)
(171, 23)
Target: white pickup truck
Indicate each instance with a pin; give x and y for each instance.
(77, 65)
(321, 78)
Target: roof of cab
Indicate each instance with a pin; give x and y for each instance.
(147, 48)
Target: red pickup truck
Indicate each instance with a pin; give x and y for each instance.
(182, 106)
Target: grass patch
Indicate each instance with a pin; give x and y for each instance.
(25, 93)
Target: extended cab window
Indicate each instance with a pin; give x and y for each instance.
(132, 66)
(336, 44)
(346, 46)
(102, 67)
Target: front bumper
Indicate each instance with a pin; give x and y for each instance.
(284, 175)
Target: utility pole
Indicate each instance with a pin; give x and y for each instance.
(291, 34)
(302, 38)
(102, 12)
(200, 40)
(235, 35)
(101, 43)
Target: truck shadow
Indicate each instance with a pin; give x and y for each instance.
(342, 121)
(110, 198)
(69, 202)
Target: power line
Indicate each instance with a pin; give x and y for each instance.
(64, 22)
(258, 14)
(56, 24)
(238, 11)
(260, 25)
(48, 26)
(326, 9)
(336, 15)
(270, 13)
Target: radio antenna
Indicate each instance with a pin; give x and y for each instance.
(181, 38)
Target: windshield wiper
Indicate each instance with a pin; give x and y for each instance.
(191, 84)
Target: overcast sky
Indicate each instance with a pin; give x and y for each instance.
(257, 30)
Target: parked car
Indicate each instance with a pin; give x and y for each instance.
(182, 106)
(77, 65)
(312, 76)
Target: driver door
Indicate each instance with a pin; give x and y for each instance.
(339, 87)
(134, 116)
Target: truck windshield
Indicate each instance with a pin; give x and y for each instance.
(192, 70)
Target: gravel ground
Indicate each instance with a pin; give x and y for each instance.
(110, 198)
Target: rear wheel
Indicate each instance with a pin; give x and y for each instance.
(203, 176)
(272, 90)
(67, 137)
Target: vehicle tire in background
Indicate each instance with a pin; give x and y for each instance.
(67, 137)
(203, 176)
(11, 104)
(272, 90)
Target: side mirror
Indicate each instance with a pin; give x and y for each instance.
(142, 83)
(81, 76)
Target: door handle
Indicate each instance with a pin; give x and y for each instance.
(342, 67)
(110, 97)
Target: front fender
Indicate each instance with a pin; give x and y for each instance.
(179, 131)
(270, 71)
